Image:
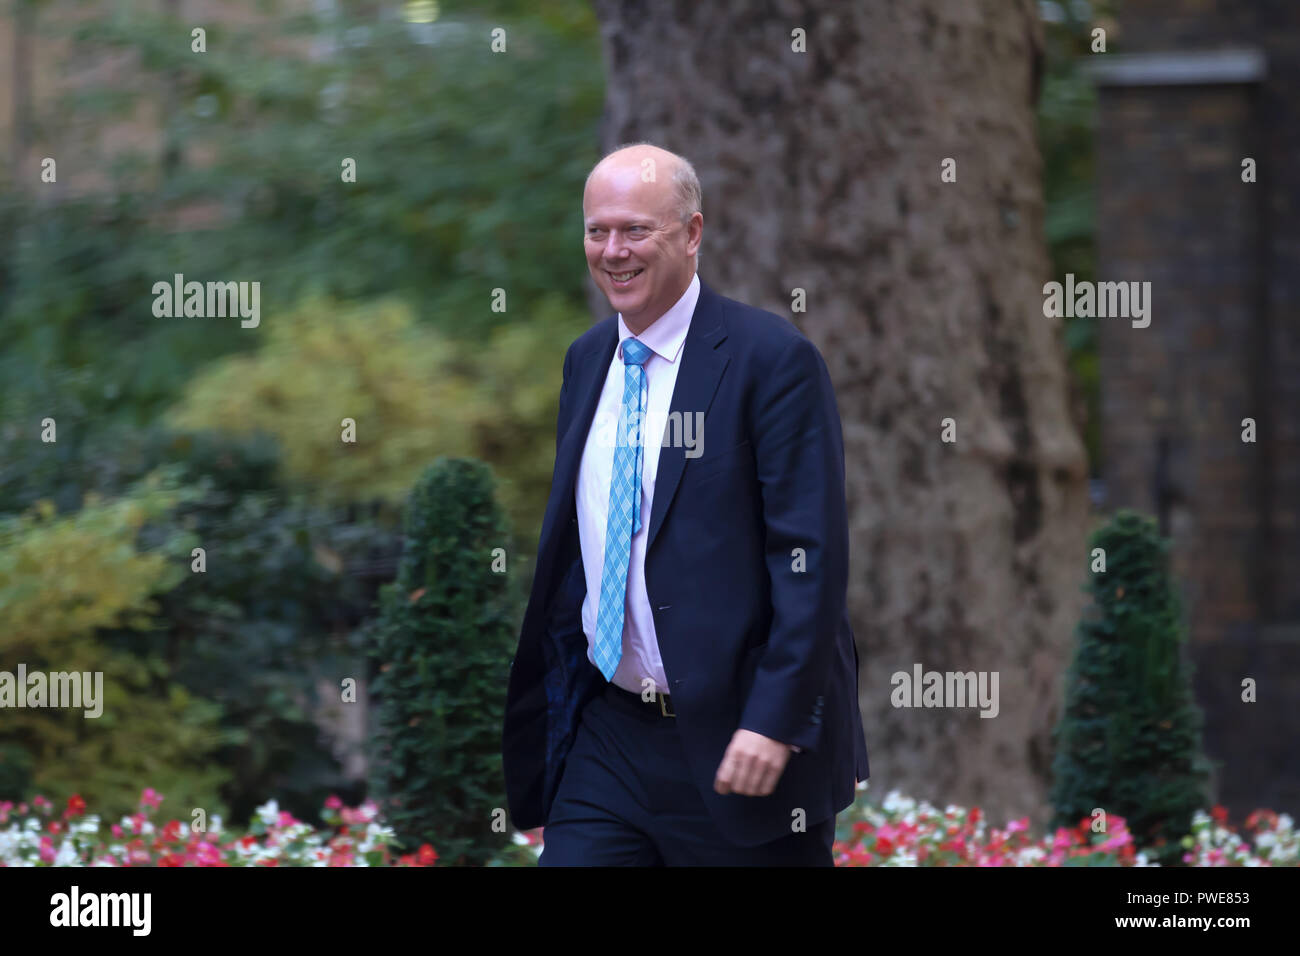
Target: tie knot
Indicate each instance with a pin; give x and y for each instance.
(634, 352)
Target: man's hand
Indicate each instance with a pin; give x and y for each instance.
(752, 765)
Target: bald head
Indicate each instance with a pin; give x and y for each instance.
(651, 162)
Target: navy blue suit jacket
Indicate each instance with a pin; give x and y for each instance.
(746, 568)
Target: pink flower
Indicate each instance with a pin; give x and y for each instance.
(332, 802)
(150, 798)
(206, 854)
(1063, 838)
(47, 850)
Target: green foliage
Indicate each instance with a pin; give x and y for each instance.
(414, 395)
(266, 632)
(1129, 740)
(321, 364)
(61, 579)
(443, 643)
(469, 166)
(269, 630)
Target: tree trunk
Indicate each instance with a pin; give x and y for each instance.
(822, 172)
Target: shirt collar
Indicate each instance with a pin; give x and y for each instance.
(665, 335)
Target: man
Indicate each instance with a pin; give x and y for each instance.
(685, 687)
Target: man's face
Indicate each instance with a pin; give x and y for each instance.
(638, 250)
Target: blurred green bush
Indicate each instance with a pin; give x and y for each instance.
(63, 577)
(1128, 741)
(412, 393)
(444, 642)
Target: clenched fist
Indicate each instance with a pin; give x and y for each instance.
(752, 765)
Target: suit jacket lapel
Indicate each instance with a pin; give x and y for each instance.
(697, 382)
(590, 372)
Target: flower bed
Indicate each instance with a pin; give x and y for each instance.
(905, 832)
(35, 836)
(897, 832)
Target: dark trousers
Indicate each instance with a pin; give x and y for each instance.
(627, 799)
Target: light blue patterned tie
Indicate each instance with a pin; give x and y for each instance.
(624, 511)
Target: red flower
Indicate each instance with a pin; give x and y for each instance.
(426, 855)
(973, 816)
(1220, 815)
(76, 806)
(1255, 820)
(884, 847)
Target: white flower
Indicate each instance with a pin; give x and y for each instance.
(374, 832)
(67, 855)
(519, 839)
(269, 812)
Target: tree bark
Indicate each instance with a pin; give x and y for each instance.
(821, 172)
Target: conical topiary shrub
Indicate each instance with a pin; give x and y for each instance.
(1128, 741)
(443, 642)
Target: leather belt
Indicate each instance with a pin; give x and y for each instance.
(658, 707)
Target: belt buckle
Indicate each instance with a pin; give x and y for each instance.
(663, 706)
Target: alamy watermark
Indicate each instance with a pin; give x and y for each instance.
(1102, 300)
(75, 908)
(681, 430)
(213, 300)
(946, 689)
(60, 689)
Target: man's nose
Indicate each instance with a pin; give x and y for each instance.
(615, 248)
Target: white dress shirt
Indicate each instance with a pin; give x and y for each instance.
(666, 338)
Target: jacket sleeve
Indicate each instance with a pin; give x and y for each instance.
(799, 456)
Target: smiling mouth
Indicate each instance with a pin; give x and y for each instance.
(623, 278)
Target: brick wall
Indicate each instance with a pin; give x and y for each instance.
(1223, 258)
